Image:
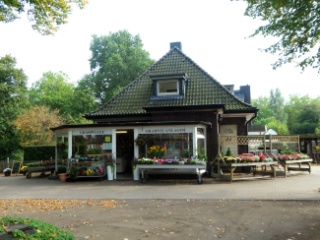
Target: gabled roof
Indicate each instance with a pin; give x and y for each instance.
(201, 90)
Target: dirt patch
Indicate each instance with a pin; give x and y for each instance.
(175, 219)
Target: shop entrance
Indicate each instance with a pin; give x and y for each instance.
(125, 150)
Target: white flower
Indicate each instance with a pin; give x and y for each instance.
(7, 170)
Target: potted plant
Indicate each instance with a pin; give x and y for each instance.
(62, 173)
(7, 172)
(23, 170)
(73, 171)
(110, 163)
(141, 140)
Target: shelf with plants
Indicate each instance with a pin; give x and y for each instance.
(40, 167)
(185, 165)
(245, 165)
(92, 166)
(290, 156)
(294, 162)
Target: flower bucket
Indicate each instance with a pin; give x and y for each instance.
(110, 173)
(62, 177)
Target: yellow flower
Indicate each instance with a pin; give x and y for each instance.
(155, 151)
(89, 172)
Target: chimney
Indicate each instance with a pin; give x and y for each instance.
(175, 44)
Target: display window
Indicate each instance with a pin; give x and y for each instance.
(174, 145)
(91, 154)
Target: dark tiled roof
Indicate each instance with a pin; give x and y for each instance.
(201, 89)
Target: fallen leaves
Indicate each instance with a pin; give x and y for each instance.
(43, 205)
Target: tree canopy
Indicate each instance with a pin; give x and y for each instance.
(268, 112)
(303, 115)
(35, 125)
(117, 59)
(295, 24)
(46, 15)
(54, 91)
(13, 97)
(300, 115)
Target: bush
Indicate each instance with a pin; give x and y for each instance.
(42, 230)
(39, 153)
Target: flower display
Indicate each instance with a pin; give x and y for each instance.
(23, 169)
(89, 172)
(173, 161)
(292, 156)
(247, 157)
(96, 171)
(7, 170)
(146, 161)
(156, 151)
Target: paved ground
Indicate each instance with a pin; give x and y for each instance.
(273, 209)
(298, 186)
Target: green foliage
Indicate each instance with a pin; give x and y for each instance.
(35, 126)
(39, 153)
(73, 171)
(62, 169)
(42, 230)
(12, 100)
(95, 151)
(117, 60)
(295, 25)
(265, 114)
(54, 91)
(280, 127)
(46, 16)
(300, 115)
(276, 105)
(186, 153)
(228, 152)
(303, 114)
(271, 112)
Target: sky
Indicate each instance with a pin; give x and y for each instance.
(214, 34)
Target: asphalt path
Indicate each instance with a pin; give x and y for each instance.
(297, 186)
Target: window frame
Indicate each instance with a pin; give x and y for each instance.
(180, 79)
(173, 93)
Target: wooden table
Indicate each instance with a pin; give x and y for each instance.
(40, 169)
(300, 165)
(253, 174)
(199, 169)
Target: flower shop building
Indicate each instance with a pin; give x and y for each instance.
(173, 110)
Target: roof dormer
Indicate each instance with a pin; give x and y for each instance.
(168, 86)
